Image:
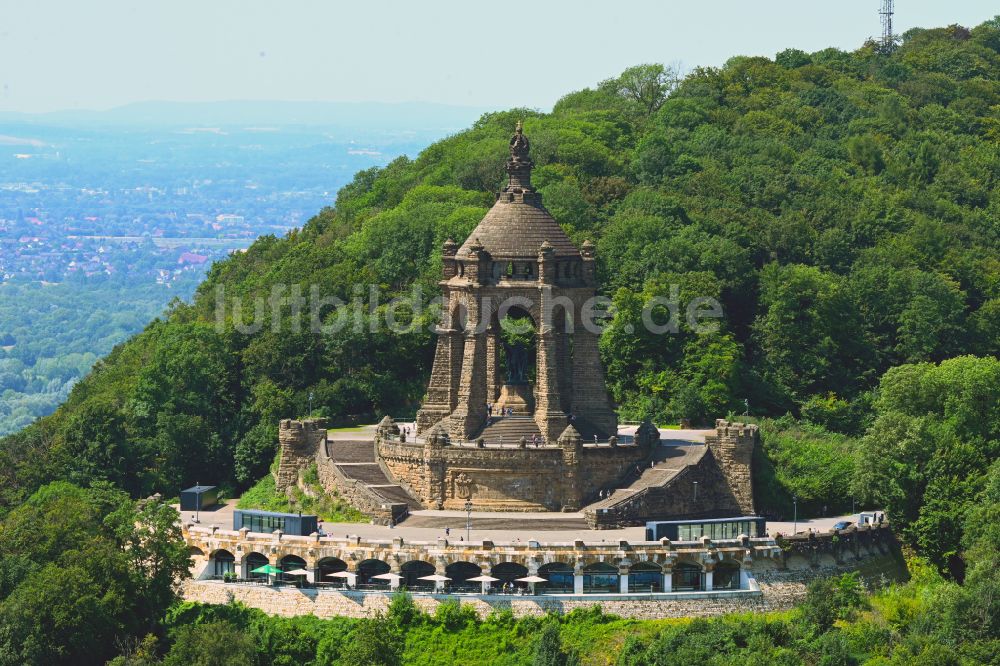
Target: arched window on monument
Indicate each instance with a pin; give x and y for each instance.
(517, 360)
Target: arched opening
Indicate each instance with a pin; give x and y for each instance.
(223, 562)
(413, 571)
(291, 563)
(460, 573)
(254, 561)
(328, 566)
(195, 551)
(645, 577)
(367, 571)
(508, 573)
(601, 578)
(688, 577)
(458, 316)
(518, 355)
(558, 577)
(726, 576)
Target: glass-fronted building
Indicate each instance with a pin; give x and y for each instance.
(268, 521)
(714, 528)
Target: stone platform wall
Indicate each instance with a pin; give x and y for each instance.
(675, 499)
(563, 477)
(777, 575)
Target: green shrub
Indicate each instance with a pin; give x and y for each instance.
(328, 506)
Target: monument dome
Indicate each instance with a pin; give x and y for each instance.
(518, 223)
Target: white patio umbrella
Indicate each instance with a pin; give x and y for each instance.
(438, 579)
(393, 578)
(297, 572)
(531, 580)
(388, 576)
(484, 579)
(346, 575)
(339, 574)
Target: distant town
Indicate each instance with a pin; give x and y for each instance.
(102, 226)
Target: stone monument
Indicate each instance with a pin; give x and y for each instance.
(518, 264)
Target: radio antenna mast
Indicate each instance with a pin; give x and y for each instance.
(888, 41)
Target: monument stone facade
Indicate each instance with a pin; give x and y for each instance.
(518, 262)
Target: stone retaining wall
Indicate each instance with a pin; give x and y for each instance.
(290, 601)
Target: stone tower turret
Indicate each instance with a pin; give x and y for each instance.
(732, 446)
(298, 442)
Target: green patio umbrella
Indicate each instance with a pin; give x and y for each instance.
(267, 569)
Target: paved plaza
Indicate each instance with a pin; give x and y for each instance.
(429, 525)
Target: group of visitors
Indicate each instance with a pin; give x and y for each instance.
(510, 588)
(505, 411)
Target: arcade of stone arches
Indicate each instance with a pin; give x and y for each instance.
(556, 577)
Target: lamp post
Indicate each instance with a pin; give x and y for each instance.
(197, 502)
(468, 519)
(310, 404)
(795, 503)
(695, 490)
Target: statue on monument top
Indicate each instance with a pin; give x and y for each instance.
(519, 145)
(519, 164)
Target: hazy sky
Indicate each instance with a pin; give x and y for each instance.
(61, 54)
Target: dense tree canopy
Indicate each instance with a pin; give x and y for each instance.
(80, 569)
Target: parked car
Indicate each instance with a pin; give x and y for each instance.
(843, 525)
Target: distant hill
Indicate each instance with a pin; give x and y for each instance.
(368, 115)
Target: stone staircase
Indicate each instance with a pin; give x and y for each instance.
(510, 429)
(670, 462)
(354, 460)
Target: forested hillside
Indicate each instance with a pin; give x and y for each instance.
(843, 207)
